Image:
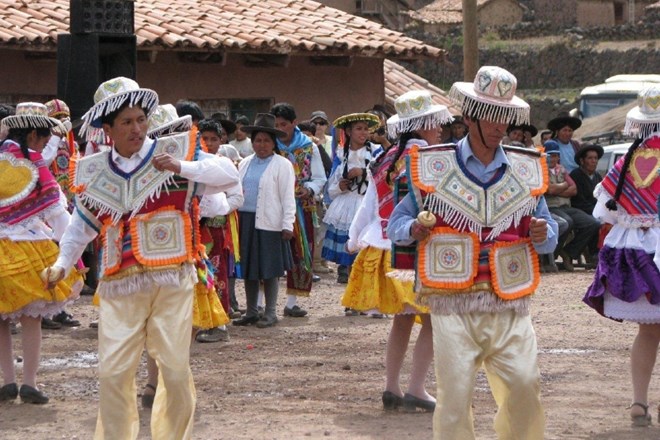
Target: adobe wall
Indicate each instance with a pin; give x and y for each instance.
(500, 13)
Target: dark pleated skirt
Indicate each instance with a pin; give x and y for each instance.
(264, 254)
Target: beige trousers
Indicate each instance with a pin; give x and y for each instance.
(505, 344)
(161, 319)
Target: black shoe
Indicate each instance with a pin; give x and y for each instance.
(267, 321)
(295, 312)
(315, 278)
(86, 290)
(260, 312)
(32, 395)
(342, 278)
(49, 324)
(391, 401)
(66, 319)
(245, 320)
(148, 399)
(9, 392)
(213, 335)
(411, 403)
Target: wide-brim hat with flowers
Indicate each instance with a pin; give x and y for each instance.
(114, 93)
(491, 96)
(264, 122)
(415, 110)
(57, 108)
(372, 120)
(644, 119)
(32, 115)
(165, 120)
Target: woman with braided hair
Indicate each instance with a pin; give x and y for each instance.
(370, 289)
(626, 285)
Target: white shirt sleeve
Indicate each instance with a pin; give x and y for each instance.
(50, 150)
(76, 237)
(365, 214)
(215, 173)
(287, 189)
(318, 172)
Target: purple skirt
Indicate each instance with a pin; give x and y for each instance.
(627, 274)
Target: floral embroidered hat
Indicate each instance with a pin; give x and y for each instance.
(57, 108)
(371, 120)
(643, 120)
(492, 96)
(416, 110)
(114, 93)
(165, 120)
(32, 115)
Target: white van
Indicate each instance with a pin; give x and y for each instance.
(617, 90)
(611, 154)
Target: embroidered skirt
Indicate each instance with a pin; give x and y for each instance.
(22, 291)
(626, 286)
(334, 247)
(369, 287)
(264, 254)
(207, 310)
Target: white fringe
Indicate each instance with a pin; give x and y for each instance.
(640, 129)
(28, 121)
(478, 302)
(500, 113)
(403, 275)
(139, 282)
(45, 309)
(458, 220)
(427, 122)
(147, 97)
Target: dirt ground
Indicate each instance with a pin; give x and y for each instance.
(322, 377)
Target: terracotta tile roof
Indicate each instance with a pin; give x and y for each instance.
(655, 5)
(443, 11)
(264, 26)
(399, 80)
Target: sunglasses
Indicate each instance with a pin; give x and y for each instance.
(320, 122)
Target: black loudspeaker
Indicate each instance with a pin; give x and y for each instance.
(86, 60)
(102, 16)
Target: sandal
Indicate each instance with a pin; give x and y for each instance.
(643, 419)
(148, 399)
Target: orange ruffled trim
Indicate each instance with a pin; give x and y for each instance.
(536, 273)
(197, 233)
(423, 256)
(192, 138)
(110, 270)
(73, 166)
(546, 177)
(414, 170)
(153, 262)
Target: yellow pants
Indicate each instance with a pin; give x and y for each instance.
(505, 344)
(161, 319)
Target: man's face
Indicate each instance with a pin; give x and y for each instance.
(492, 132)
(517, 135)
(565, 134)
(287, 127)
(458, 130)
(212, 141)
(589, 162)
(321, 127)
(128, 131)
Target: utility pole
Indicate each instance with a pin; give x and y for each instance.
(470, 40)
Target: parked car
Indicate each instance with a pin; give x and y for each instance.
(612, 153)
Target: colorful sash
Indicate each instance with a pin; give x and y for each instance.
(29, 193)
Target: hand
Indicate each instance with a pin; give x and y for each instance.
(355, 172)
(304, 192)
(51, 276)
(67, 124)
(287, 235)
(419, 232)
(165, 162)
(538, 230)
(344, 184)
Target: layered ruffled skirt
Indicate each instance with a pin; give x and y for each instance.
(22, 291)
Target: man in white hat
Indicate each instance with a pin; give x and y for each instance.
(484, 220)
(140, 197)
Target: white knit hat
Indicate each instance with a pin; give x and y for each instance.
(32, 115)
(643, 120)
(415, 110)
(492, 96)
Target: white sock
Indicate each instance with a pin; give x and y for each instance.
(291, 301)
(261, 300)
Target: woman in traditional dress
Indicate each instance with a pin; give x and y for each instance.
(626, 284)
(30, 202)
(346, 187)
(266, 219)
(369, 286)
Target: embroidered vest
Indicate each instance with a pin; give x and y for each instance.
(301, 159)
(480, 240)
(148, 219)
(28, 191)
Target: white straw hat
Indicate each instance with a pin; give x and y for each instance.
(492, 96)
(32, 115)
(165, 120)
(415, 110)
(643, 120)
(114, 93)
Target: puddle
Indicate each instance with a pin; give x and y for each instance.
(80, 359)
